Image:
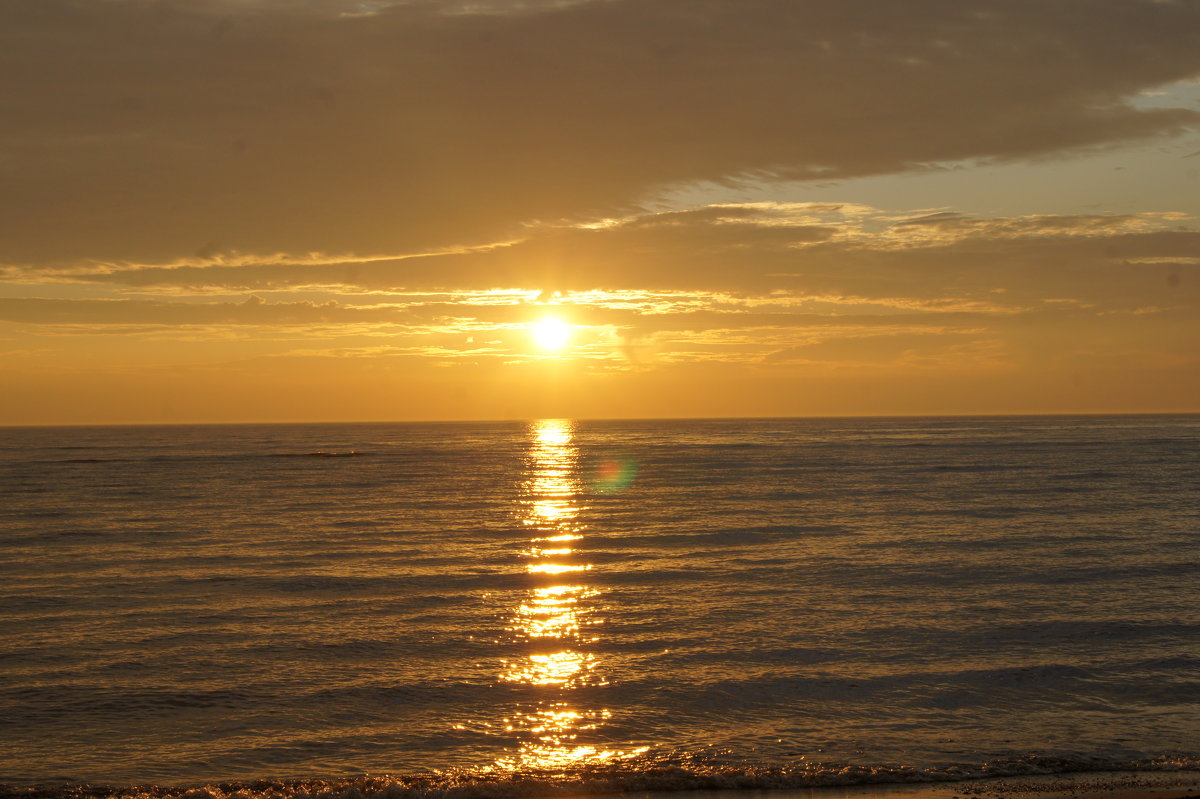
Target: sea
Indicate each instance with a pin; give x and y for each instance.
(561, 607)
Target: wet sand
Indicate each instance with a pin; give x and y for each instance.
(1091, 785)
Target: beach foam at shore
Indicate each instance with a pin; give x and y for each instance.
(1030, 778)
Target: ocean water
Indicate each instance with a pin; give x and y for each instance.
(598, 605)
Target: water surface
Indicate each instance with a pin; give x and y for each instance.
(863, 598)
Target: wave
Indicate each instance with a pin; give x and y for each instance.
(184, 457)
(320, 453)
(670, 772)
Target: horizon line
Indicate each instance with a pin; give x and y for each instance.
(529, 419)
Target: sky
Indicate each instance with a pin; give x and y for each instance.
(337, 210)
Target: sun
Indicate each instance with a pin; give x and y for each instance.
(551, 333)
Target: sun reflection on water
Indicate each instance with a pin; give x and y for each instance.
(552, 612)
(555, 568)
(557, 668)
(556, 730)
(554, 617)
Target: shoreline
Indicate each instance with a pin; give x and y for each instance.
(1173, 784)
(1075, 785)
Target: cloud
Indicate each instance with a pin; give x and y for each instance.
(252, 311)
(152, 132)
(914, 349)
(798, 288)
(820, 260)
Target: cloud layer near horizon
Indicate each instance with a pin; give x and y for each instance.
(782, 278)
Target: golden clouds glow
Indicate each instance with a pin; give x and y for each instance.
(874, 291)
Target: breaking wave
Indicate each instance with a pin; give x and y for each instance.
(667, 773)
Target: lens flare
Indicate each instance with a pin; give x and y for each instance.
(611, 475)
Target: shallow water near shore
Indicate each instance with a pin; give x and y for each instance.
(528, 609)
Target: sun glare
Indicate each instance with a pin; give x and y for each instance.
(551, 333)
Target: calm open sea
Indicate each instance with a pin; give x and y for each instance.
(599, 605)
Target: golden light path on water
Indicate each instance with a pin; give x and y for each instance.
(555, 616)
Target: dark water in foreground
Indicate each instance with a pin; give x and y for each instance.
(625, 603)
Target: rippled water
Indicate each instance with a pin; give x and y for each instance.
(188, 604)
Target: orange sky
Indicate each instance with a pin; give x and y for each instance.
(257, 210)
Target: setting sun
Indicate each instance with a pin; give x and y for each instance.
(551, 333)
